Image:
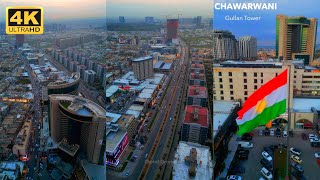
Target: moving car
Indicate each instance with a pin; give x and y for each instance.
(296, 159)
(317, 155)
(146, 156)
(266, 173)
(127, 174)
(266, 156)
(234, 177)
(297, 167)
(295, 151)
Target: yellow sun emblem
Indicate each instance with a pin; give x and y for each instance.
(261, 105)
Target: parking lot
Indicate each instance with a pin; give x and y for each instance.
(253, 166)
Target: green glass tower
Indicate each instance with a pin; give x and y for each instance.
(296, 38)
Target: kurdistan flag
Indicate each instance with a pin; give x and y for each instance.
(265, 104)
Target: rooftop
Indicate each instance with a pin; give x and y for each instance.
(194, 159)
(197, 66)
(221, 111)
(114, 138)
(197, 76)
(111, 90)
(197, 91)
(80, 105)
(70, 149)
(143, 58)
(197, 115)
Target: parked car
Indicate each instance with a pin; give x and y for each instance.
(315, 143)
(312, 136)
(273, 147)
(260, 132)
(296, 159)
(265, 173)
(295, 151)
(266, 132)
(317, 155)
(245, 144)
(127, 174)
(266, 156)
(285, 134)
(278, 132)
(233, 177)
(267, 164)
(297, 167)
(268, 150)
(298, 175)
(246, 137)
(271, 132)
(243, 151)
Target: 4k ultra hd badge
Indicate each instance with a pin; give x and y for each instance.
(24, 20)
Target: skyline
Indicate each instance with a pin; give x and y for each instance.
(265, 29)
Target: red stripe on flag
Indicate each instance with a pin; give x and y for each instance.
(263, 91)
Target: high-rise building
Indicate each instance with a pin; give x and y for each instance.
(149, 20)
(225, 46)
(248, 48)
(172, 29)
(122, 20)
(89, 76)
(143, 67)
(19, 40)
(198, 21)
(296, 38)
(79, 121)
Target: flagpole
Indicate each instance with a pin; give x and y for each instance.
(289, 120)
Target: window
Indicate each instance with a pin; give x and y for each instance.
(255, 87)
(231, 98)
(222, 98)
(231, 86)
(255, 74)
(220, 73)
(244, 74)
(230, 73)
(294, 76)
(231, 92)
(261, 74)
(221, 92)
(245, 81)
(261, 81)
(246, 93)
(255, 81)
(245, 87)
(220, 79)
(276, 74)
(245, 98)
(221, 86)
(230, 80)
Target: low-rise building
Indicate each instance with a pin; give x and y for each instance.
(21, 146)
(195, 124)
(197, 95)
(192, 161)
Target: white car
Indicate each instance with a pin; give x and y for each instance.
(271, 132)
(285, 134)
(295, 151)
(317, 155)
(234, 177)
(312, 136)
(266, 156)
(265, 173)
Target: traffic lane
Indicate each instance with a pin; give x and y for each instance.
(164, 137)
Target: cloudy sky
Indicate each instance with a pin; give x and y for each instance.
(61, 9)
(159, 8)
(264, 30)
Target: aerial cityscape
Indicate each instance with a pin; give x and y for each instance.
(123, 91)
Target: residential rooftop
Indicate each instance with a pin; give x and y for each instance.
(196, 114)
(197, 91)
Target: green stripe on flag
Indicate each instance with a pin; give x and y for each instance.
(264, 117)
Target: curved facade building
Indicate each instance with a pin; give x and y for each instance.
(80, 121)
(67, 85)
